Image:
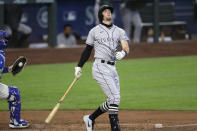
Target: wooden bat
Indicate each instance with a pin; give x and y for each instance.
(52, 113)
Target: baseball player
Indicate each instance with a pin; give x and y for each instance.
(129, 11)
(105, 38)
(10, 93)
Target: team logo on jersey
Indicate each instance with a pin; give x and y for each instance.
(103, 40)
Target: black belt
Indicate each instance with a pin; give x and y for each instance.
(108, 62)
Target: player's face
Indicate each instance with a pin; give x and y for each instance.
(107, 15)
(67, 30)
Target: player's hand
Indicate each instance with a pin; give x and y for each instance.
(78, 72)
(10, 68)
(120, 54)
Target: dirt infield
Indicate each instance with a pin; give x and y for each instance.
(143, 50)
(129, 120)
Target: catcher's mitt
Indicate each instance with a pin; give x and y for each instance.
(18, 65)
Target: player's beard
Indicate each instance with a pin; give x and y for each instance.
(108, 19)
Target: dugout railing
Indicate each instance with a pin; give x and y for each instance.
(166, 16)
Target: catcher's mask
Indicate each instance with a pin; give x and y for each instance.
(3, 39)
(103, 7)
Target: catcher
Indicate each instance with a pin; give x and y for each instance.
(10, 93)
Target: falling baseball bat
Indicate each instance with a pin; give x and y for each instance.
(52, 113)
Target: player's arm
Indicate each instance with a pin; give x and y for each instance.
(125, 46)
(84, 57)
(86, 53)
(125, 50)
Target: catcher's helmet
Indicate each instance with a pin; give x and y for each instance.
(3, 39)
(103, 7)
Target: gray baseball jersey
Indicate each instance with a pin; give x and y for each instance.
(106, 42)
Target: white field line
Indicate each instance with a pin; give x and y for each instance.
(125, 124)
(149, 124)
(184, 125)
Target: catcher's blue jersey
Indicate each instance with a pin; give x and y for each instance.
(2, 61)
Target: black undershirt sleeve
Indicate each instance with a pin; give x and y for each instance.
(85, 55)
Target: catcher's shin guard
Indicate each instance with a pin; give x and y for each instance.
(14, 105)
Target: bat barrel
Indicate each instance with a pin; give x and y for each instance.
(53, 112)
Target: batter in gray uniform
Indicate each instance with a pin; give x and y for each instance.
(106, 39)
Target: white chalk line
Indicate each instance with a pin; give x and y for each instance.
(149, 124)
(184, 125)
(126, 124)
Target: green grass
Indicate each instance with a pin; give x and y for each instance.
(146, 84)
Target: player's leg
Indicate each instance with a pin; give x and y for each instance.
(108, 79)
(89, 119)
(12, 94)
(96, 9)
(114, 103)
(126, 19)
(136, 19)
(14, 100)
(4, 91)
(102, 74)
(101, 109)
(26, 31)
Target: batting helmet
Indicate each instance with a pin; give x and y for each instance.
(103, 7)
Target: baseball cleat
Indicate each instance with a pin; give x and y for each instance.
(22, 124)
(88, 122)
